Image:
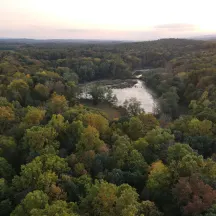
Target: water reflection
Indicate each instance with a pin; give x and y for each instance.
(140, 92)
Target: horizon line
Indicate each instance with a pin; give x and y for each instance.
(199, 37)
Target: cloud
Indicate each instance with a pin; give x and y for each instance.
(176, 27)
(155, 32)
(176, 30)
(75, 30)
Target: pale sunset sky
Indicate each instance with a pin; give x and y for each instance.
(103, 19)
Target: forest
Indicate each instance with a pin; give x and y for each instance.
(59, 157)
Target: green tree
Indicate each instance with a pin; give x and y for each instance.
(141, 145)
(43, 76)
(74, 131)
(18, 90)
(196, 127)
(39, 171)
(59, 87)
(6, 207)
(108, 199)
(133, 107)
(209, 172)
(211, 211)
(70, 76)
(120, 151)
(60, 208)
(76, 187)
(46, 180)
(41, 140)
(135, 128)
(188, 165)
(5, 195)
(110, 98)
(158, 141)
(127, 202)
(97, 92)
(136, 162)
(159, 179)
(79, 169)
(178, 151)
(169, 102)
(7, 147)
(42, 91)
(58, 123)
(205, 145)
(149, 122)
(71, 90)
(6, 170)
(148, 208)
(89, 140)
(34, 200)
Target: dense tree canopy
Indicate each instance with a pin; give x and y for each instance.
(61, 157)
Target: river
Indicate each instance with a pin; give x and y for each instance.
(140, 92)
(137, 90)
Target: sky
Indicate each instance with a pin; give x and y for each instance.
(106, 19)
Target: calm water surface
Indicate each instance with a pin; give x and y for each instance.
(140, 92)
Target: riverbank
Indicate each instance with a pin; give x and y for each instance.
(110, 111)
(117, 83)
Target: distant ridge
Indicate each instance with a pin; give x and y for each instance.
(80, 41)
(205, 37)
(29, 41)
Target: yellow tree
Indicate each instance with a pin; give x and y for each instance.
(96, 121)
(7, 116)
(159, 181)
(58, 103)
(34, 115)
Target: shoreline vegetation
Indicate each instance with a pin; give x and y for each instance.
(112, 83)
